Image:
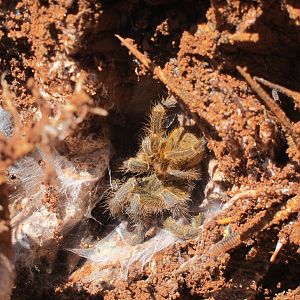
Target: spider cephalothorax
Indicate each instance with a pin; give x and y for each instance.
(162, 175)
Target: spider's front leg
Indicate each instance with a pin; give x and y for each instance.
(157, 117)
(152, 143)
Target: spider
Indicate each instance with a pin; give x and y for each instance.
(162, 175)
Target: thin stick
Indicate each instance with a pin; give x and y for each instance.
(272, 106)
(278, 247)
(294, 95)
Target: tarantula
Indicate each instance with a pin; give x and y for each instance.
(163, 172)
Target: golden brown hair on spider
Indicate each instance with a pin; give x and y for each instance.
(161, 175)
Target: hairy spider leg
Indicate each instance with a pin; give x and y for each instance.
(152, 205)
(138, 216)
(149, 191)
(189, 152)
(187, 175)
(137, 165)
(176, 201)
(156, 198)
(151, 144)
(173, 138)
(157, 117)
(117, 202)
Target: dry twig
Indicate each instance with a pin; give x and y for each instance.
(294, 95)
(272, 106)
